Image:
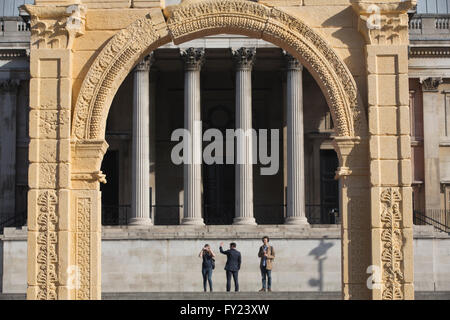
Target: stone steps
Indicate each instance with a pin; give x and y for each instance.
(421, 295)
(223, 296)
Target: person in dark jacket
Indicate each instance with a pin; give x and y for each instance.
(232, 266)
(207, 265)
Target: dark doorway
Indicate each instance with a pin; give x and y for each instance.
(329, 187)
(110, 190)
(218, 179)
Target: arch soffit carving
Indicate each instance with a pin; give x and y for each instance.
(188, 22)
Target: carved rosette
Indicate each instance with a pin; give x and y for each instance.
(47, 258)
(193, 58)
(392, 242)
(83, 252)
(244, 58)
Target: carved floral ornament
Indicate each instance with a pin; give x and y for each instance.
(392, 243)
(191, 20)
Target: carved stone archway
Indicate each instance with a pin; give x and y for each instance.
(204, 18)
(67, 140)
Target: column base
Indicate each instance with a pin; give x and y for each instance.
(244, 221)
(296, 221)
(140, 222)
(192, 222)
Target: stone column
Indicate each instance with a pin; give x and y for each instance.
(8, 100)
(140, 200)
(295, 144)
(244, 58)
(431, 136)
(192, 213)
(152, 158)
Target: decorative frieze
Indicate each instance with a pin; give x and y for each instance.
(429, 52)
(83, 247)
(46, 253)
(392, 242)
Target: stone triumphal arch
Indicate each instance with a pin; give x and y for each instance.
(81, 52)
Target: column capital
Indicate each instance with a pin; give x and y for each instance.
(291, 62)
(193, 58)
(145, 64)
(244, 57)
(9, 85)
(430, 84)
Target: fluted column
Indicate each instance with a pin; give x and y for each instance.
(244, 58)
(295, 144)
(140, 204)
(192, 213)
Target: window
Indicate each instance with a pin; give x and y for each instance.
(445, 117)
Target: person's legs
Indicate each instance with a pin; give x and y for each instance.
(204, 271)
(236, 280)
(210, 279)
(263, 277)
(228, 280)
(269, 279)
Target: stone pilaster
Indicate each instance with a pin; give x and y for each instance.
(244, 58)
(51, 235)
(140, 196)
(385, 28)
(295, 144)
(193, 58)
(431, 137)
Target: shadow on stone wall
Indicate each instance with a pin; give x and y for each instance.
(319, 254)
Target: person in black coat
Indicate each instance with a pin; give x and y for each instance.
(232, 266)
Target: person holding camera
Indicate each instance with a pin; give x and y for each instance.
(208, 265)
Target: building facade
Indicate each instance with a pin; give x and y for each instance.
(333, 89)
(428, 68)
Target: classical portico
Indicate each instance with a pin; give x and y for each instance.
(242, 60)
(369, 128)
